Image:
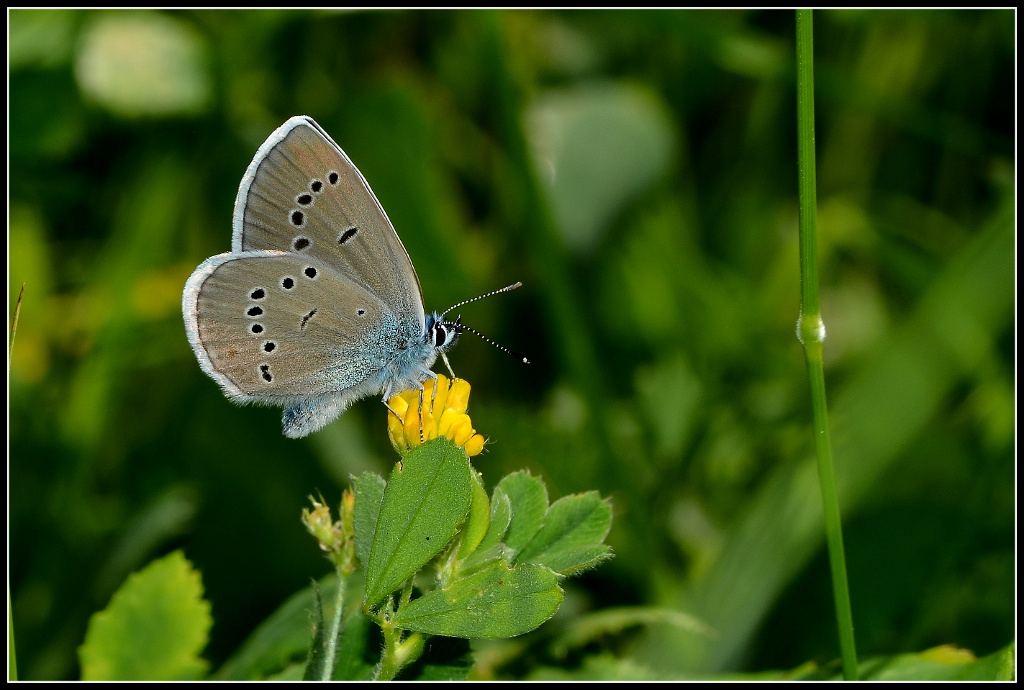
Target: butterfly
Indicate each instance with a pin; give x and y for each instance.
(317, 304)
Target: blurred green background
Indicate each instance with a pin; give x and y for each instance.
(637, 171)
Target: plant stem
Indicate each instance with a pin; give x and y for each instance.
(13, 327)
(335, 627)
(12, 659)
(398, 653)
(811, 333)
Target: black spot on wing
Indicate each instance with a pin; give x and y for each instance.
(306, 318)
(348, 234)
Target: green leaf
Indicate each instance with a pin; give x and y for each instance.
(529, 499)
(491, 548)
(1005, 662)
(479, 519)
(938, 663)
(484, 558)
(496, 602)
(426, 499)
(501, 516)
(570, 539)
(154, 628)
(369, 492)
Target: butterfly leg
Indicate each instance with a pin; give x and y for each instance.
(449, 365)
(433, 392)
(392, 410)
(421, 414)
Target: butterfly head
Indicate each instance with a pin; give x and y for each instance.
(442, 335)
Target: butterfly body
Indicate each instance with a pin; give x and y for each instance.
(317, 304)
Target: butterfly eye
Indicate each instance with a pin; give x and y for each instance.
(440, 335)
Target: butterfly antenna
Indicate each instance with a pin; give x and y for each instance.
(459, 326)
(489, 294)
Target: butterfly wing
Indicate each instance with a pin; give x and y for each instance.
(302, 194)
(279, 328)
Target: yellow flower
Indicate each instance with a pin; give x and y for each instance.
(446, 417)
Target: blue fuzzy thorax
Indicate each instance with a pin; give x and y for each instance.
(413, 357)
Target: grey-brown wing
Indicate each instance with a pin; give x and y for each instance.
(277, 327)
(302, 194)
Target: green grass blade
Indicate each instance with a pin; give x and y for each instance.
(811, 332)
